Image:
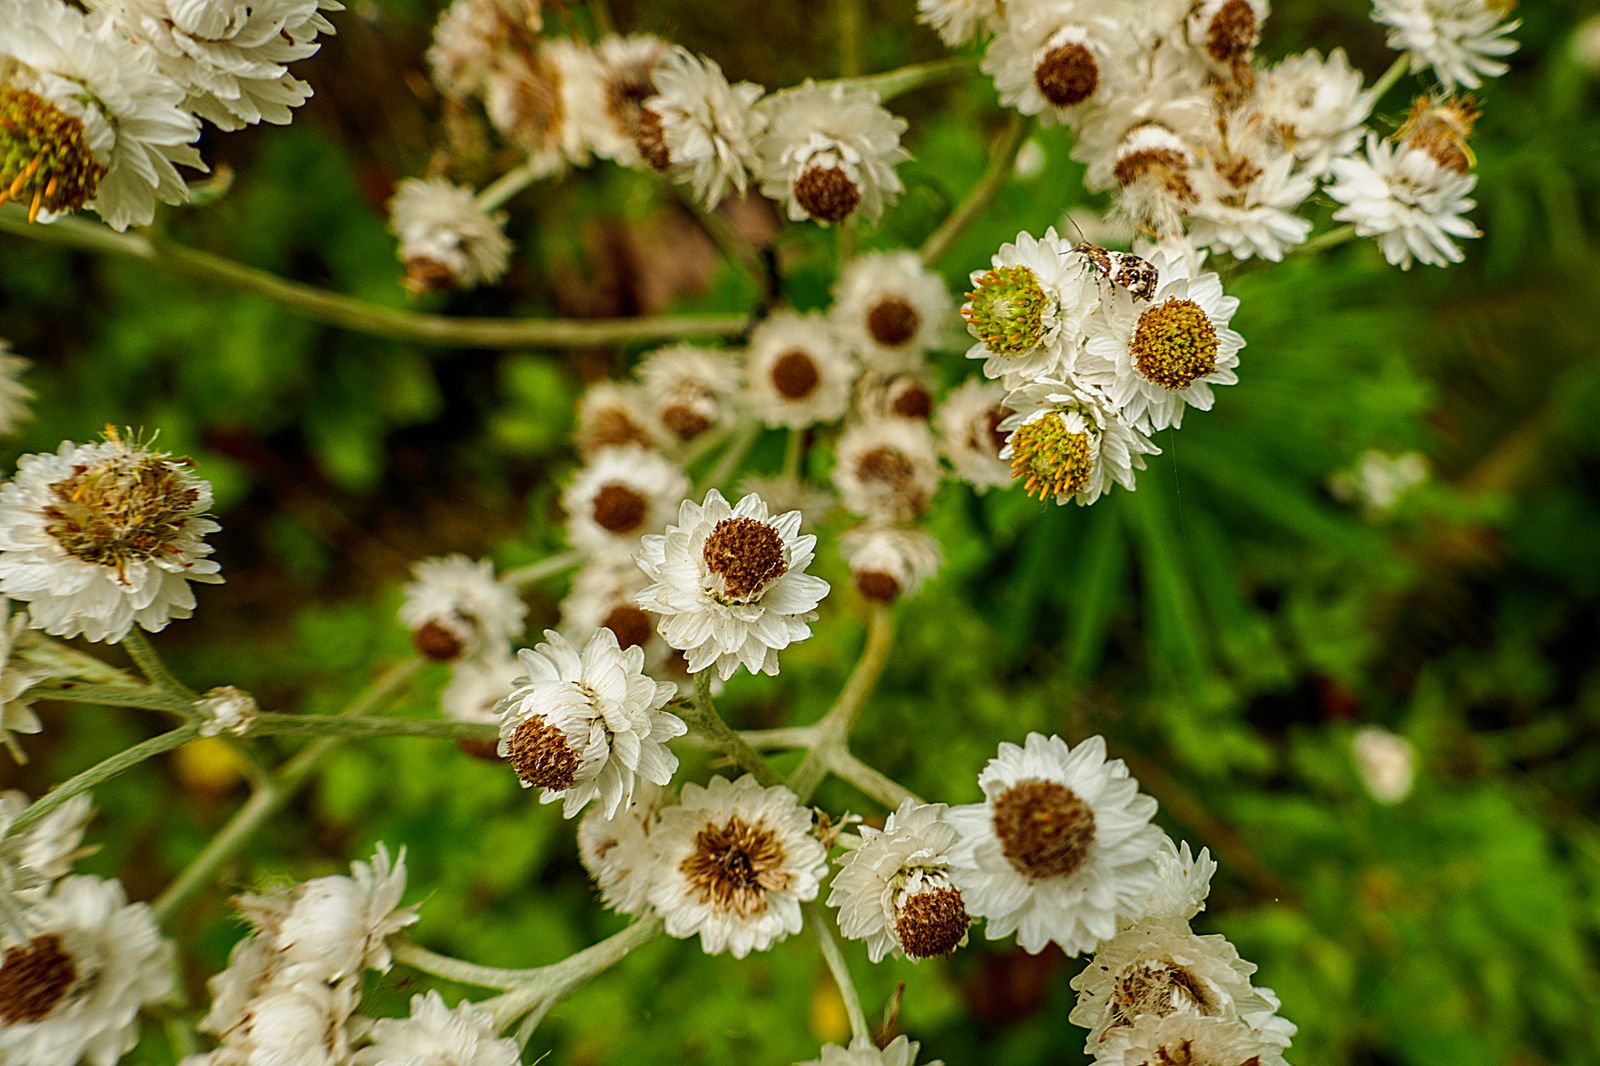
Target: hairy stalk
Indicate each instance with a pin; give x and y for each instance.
(501, 190)
(1330, 239)
(787, 737)
(1002, 158)
(869, 780)
(271, 798)
(101, 772)
(140, 697)
(1387, 79)
(832, 733)
(524, 576)
(702, 718)
(541, 988)
(891, 83)
(834, 957)
(345, 312)
(149, 661)
(322, 725)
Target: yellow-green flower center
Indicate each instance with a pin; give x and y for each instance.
(1175, 344)
(129, 507)
(45, 161)
(1052, 459)
(1006, 310)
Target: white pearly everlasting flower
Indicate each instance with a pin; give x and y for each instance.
(729, 584)
(621, 494)
(436, 1035)
(446, 240)
(455, 606)
(1029, 308)
(96, 538)
(798, 371)
(624, 78)
(700, 129)
(1054, 58)
(1154, 359)
(588, 725)
(1248, 199)
(304, 1022)
(86, 120)
(829, 151)
(895, 891)
(231, 56)
(886, 564)
(73, 992)
(543, 98)
(1183, 881)
(693, 389)
(1185, 1038)
(617, 853)
(891, 309)
(226, 709)
(1225, 33)
(1386, 762)
(16, 678)
(15, 397)
(1060, 850)
(615, 412)
(1461, 41)
(1066, 442)
(1165, 90)
(887, 469)
(968, 421)
(901, 1051)
(959, 21)
(905, 394)
(1316, 106)
(35, 858)
(1414, 201)
(734, 863)
(472, 37)
(334, 928)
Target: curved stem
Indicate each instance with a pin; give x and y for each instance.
(1331, 239)
(345, 312)
(1387, 79)
(150, 663)
(102, 771)
(841, 973)
(322, 725)
(834, 728)
(533, 573)
(141, 697)
(787, 737)
(499, 192)
(1001, 161)
(541, 988)
(702, 717)
(870, 780)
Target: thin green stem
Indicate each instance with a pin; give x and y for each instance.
(458, 970)
(103, 771)
(141, 697)
(802, 736)
(1387, 79)
(500, 191)
(150, 663)
(1331, 239)
(322, 725)
(847, 14)
(1002, 160)
(702, 717)
(869, 780)
(541, 988)
(834, 957)
(891, 83)
(793, 452)
(345, 312)
(524, 576)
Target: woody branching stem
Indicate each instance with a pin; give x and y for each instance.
(702, 718)
(830, 736)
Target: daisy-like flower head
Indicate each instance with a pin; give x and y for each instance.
(1060, 850)
(436, 1035)
(891, 309)
(1413, 198)
(887, 469)
(729, 584)
(604, 595)
(1188, 1039)
(621, 494)
(588, 725)
(886, 564)
(734, 863)
(446, 240)
(1052, 58)
(1226, 32)
(16, 678)
(334, 928)
(1461, 41)
(829, 151)
(1155, 172)
(472, 36)
(454, 607)
(1387, 763)
(959, 21)
(1316, 107)
(75, 989)
(96, 538)
(232, 57)
(1066, 442)
(1164, 88)
(901, 1051)
(617, 853)
(895, 891)
(1248, 199)
(907, 395)
(612, 413)
(624, 78)
(542, 99)
(969, 433)
(1159, 968)
(798, 371)
(15, 397)
(86, 120)
(1153, 360)
(700, 129)
(298, 1021)
(693, 389)
(475, 690)
(1028, 309)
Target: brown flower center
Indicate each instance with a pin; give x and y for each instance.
(684, 420)
(631, 625)
(1232, 33)
(423, 273)
(527, 107)
(34, 978)
(436, 641)
(892, 321)
(1167, 168)
(795, 375)
(1067, 75)
(45, 160)
(912, 401)
(992, 420)
(887, 467)
(1175, 344)
(128, 507)
(745, 556)
(877, 586)
(540, 755)
(618, 508)
(1156, 987)
(734, 865)
(611, 426)
(932, 923)
(651, 142)
(826, 193)
(1045, 829)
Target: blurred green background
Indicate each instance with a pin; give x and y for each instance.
(1228, 626)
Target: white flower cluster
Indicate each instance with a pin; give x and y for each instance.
(98, 110)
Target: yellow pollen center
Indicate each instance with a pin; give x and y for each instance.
(1175, 344)
(1052, 460)
(45, 161)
